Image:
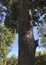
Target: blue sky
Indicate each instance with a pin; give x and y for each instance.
(14, 50)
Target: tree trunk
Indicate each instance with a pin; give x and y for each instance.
(27, 47)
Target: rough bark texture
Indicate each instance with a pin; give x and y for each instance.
(26, 40)
(26, 51)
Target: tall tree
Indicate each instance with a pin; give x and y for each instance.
(27, 45)
(26, 38)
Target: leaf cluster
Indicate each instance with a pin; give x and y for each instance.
(6, 41)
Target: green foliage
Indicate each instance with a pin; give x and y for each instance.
(44, 38)
(11, 19)
(1, 63)
(12, 60)
(14, 10)
(6, 41)
(10, 23)
(6, 36)
(41, 58)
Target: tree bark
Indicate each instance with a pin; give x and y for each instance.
(27, 47)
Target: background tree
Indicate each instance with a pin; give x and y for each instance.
(12, 60)
(40, 58)
(6, 37)
(6, 41)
